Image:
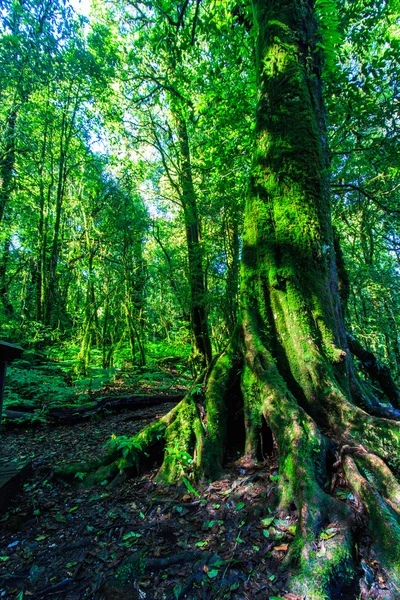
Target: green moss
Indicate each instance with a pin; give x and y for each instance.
(84, 472)
(215, 434)
(180, 439)
(102, 474)
(384, 525)
(316, 573)
(253, 406)
(132, 567)
(382, 437)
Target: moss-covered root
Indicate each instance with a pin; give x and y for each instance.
(219, 384)
(321, 553)
(123, 454)
(384, 521)
(325, 567)
(320, 556)
(184, 440)
(381, 477)
(316, 563)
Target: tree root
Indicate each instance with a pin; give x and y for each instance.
(309, 423)
(384, 521)
(375, 369)
(138, 564)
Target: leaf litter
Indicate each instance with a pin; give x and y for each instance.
(151, 541)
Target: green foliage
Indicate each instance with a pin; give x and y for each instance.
(327, 14)
(35, 386)
(94, 264)
(125, 445)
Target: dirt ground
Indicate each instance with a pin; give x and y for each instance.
(142, 540)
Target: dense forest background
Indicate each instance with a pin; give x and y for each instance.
(166, 246)
(125, 146)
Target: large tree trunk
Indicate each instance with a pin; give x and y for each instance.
(289, 360)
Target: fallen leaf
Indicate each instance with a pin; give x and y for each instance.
(282, 547)
(329, 533)
(267, 521)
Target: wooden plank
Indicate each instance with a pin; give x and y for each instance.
(9, 352)
(12, 476)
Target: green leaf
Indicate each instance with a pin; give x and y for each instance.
(240, 506)
(266, 533)
(267, 521)
(213, 573)
(177, 591)
(189, 487)
(201, 544)
(130, 535)
(329, 533)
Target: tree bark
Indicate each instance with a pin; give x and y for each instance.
(198, 315)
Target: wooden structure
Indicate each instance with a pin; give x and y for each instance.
(8, 353)
(12, 473)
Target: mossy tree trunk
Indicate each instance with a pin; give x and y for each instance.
(201, 351)
(289, 355)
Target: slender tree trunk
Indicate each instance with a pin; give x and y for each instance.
(44, 198)
(51, 285)
(172, 279)
(66, 133)
(232, 250)
(7, 161)
(90, 319)
(106, 341)
(198, 315)
(5, 299)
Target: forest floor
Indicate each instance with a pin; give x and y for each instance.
(68, 541)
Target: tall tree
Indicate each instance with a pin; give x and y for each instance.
(289, 362)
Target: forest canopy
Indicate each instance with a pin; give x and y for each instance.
(92, 205)
(214, 185)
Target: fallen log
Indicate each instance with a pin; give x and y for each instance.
(111, 403)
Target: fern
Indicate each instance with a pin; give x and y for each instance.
(327, 15)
